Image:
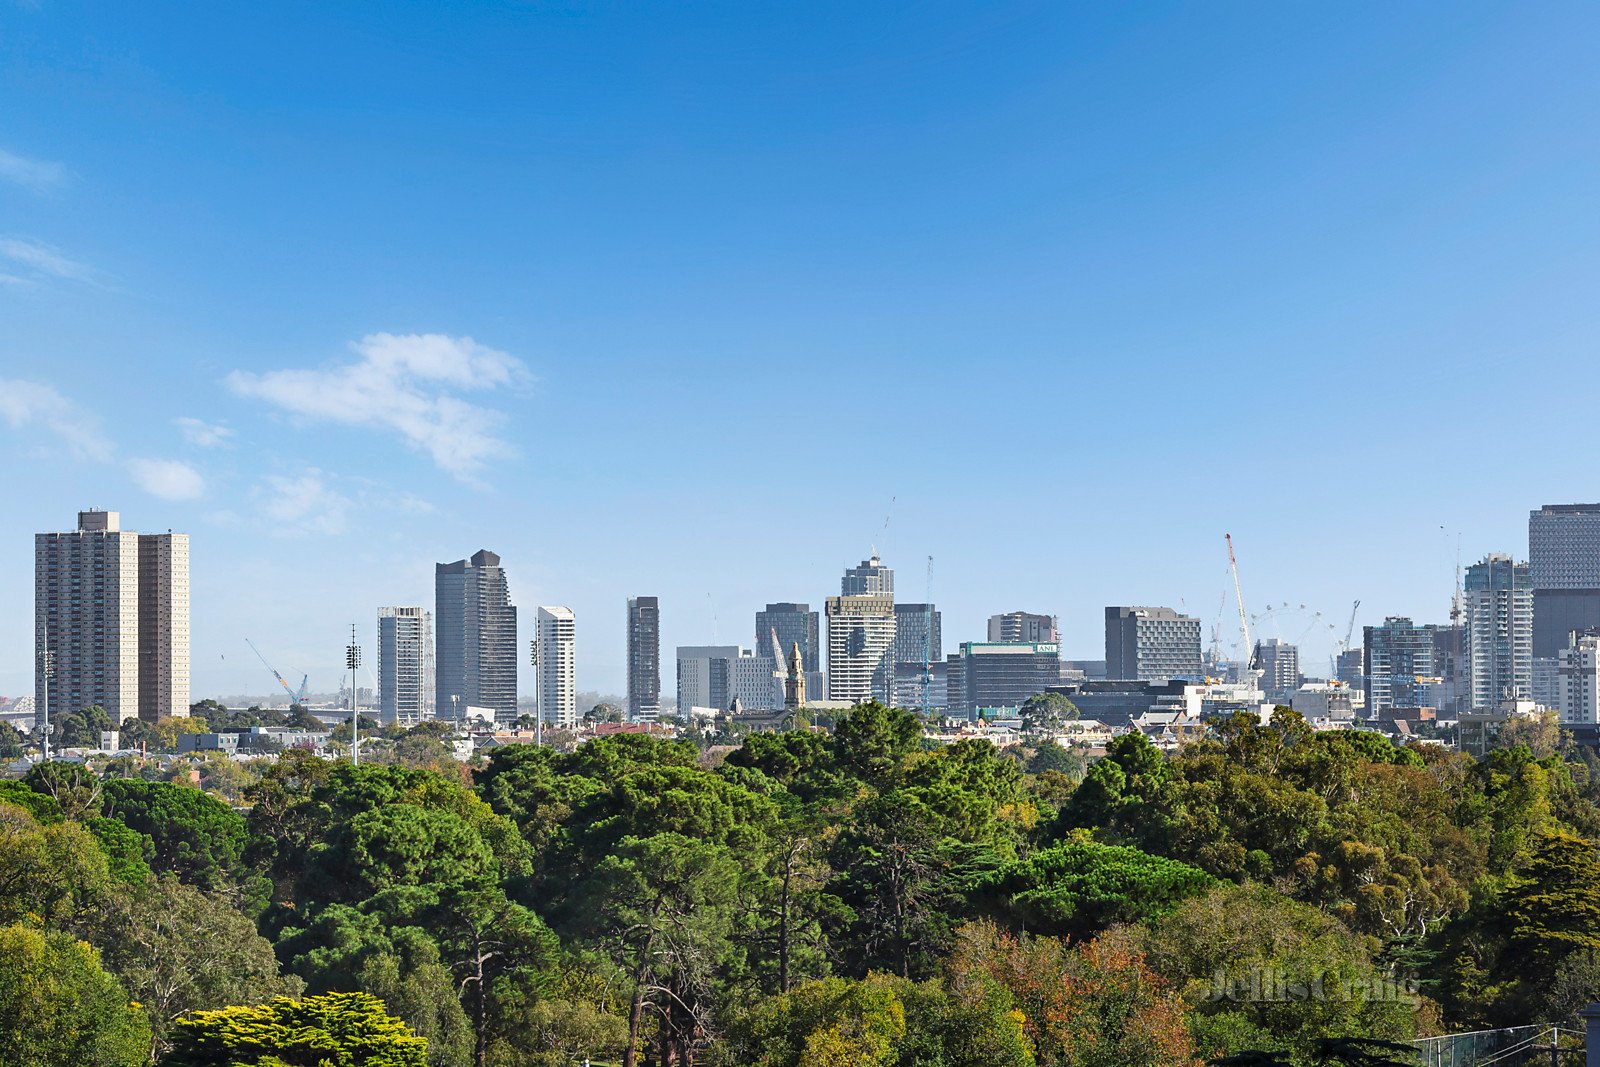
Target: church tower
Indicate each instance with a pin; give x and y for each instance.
(794, 683)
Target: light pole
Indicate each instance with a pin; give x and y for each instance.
(538, 693)
(47, 670)
(352, 660)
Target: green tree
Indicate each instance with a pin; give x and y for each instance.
(177, 949)
(54, 873)
(872, 740)
(1552, 909)
(1047, 712)
(825, 1022)
(892, 866)
(662, 906)
(59, 1008)
(1261, 971)
(603, 712)
(345, 948)
(73, 786)
(128, 852)
(193, 835)
(1079, 888)
(42, 807)
(82, 729)
(13, 742)
(332, 1030)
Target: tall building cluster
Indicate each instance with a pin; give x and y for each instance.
(112, 625)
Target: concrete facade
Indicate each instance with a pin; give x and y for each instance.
(557, 653)
(405, 665)
(860, 648)
(1147, 644)
(1498, 642)
(112, 608)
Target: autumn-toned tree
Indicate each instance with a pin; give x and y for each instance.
(1096, 1004)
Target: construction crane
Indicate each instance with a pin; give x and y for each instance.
(1238, 595)
(1344, 645)
(293, 697)
(1350, 631)
(927, 644)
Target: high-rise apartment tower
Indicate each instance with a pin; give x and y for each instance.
(558, 666)
(644, 658)
(475, 630)
(112, 609)
(1498, 641)
(405, 665)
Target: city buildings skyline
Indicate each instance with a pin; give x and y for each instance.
(1474, 665)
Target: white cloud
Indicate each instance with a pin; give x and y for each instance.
(302, 504)
(403, 383)
(168, 479)
(41, 259)
(36, 174)
(27, 405)
(202, 434)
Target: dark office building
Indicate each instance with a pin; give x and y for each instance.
(475, 631)
(918, 635)
(984, 675)
(796, 624)
(1564, 569)
(644, 658)
(1145, 644)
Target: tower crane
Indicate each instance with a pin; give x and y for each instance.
(1350, 631)
(1344, 645)
(281, 680)
(1238, 595)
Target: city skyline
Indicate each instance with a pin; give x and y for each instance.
(338, 326)
(1315, 664)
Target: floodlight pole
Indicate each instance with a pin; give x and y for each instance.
(352, 660)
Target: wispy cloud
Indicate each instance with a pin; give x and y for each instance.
(28, 405)
(44, 261)
(303, 503)
(169, 479)
(36, 174)
(406, 384)
(202, 434)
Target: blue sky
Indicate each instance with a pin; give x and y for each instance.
(675, 299)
